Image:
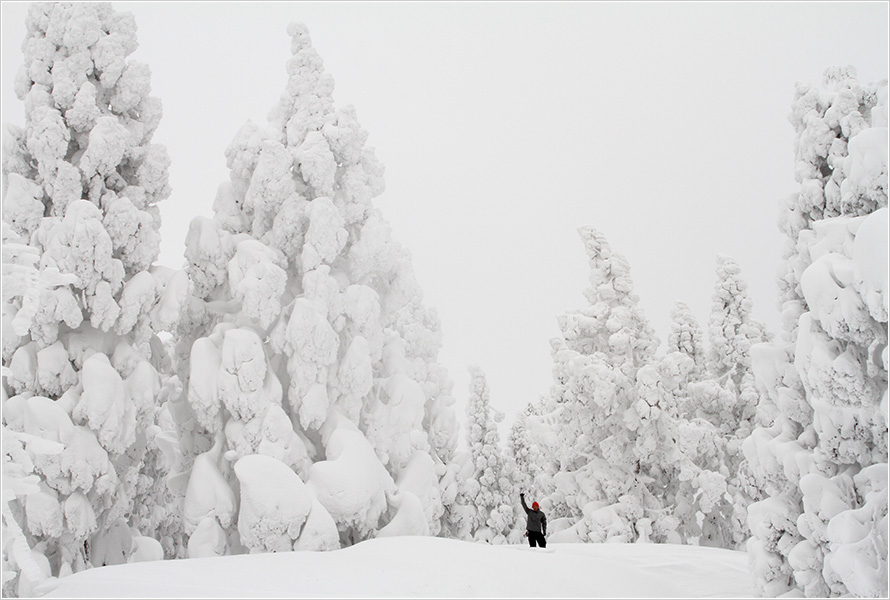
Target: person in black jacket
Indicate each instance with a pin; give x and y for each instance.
(536, 525)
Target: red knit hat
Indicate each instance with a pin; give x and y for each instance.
(534, 505)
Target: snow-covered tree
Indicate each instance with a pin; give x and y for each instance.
(306, 339)
(725, 396)
(84, 371)
(821, 453)
(487, 488)
(731, 328)
(686, 336)
(683, 456)
(596, 407)
(525, 454)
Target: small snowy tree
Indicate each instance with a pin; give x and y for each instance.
(732, 330)
(525, 455)
(821, 452)
(82, 303)
(306, 338)
(686, 336)
(488, 490)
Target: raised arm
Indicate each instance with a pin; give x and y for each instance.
(524, 507)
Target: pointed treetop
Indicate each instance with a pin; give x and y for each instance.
(594, 242)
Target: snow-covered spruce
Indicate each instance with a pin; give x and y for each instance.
(487, 498)
(590, 420)
(525, 456)
(721, 407)
(84, 372)
(686, 336)
(821, 454)
(305, 341)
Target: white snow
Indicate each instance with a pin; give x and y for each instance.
(208, 494)
(256, 281)
(286, 384)
(103, 405)
(274, 503)
(351, 484)
(406, 566)
(870, 263)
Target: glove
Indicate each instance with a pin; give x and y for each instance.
(522, 494)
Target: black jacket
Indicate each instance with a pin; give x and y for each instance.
(537, 520)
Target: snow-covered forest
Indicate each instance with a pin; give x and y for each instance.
(283, 390)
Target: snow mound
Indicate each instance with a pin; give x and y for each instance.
(408, 566)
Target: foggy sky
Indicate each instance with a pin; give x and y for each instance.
(506, 126)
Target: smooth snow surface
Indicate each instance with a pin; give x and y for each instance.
(403, 567)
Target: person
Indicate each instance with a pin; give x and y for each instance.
(536, 525)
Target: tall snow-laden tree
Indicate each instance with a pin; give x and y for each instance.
(488, 488)
(84, 370)
(821, 454)
(595, 408)
(306, 340)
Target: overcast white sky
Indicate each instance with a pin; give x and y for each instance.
(505, 126)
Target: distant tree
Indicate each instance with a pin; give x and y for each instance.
(488, 491)
(306, 339)
(85, 373)
(732, 330)
(686, 336)
(524, 453)
(820, 454)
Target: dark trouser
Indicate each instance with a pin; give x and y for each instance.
(536, 536)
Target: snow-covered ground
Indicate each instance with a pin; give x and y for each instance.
(431, 567)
